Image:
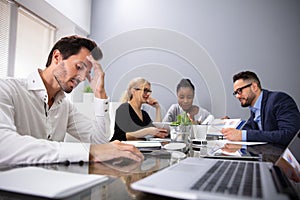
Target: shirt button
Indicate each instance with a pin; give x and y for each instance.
(105, 110)
(49, 137)
(80, 162)
(106, 103)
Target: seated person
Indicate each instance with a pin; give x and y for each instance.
(274, 116)
(185, 95)
(131, 121)
(35, 114)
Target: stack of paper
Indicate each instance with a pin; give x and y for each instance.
(46, 183)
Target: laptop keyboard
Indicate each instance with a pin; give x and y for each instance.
(231, 177)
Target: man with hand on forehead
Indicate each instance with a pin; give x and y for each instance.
(35, 114)
(274, 116)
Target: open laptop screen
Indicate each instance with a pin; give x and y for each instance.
(290, 158)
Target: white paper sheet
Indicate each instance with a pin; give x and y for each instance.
(46, 183)
(141, 144)
(236, 142)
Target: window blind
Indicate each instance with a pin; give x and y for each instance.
(4, 36)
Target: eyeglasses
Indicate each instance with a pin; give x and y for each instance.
(146, 91)
(240, 90)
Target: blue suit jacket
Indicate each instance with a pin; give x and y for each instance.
(280, 119)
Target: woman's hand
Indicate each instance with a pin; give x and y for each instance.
(153, 102)
(157, 132)
(191, 114)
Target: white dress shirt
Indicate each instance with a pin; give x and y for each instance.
(31, 132)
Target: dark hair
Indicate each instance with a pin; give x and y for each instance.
(71, 45)
(247, 75)
(185, 82)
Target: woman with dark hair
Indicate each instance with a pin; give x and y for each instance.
(185, 95)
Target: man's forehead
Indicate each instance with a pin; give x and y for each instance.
(239, 83)
(87, 63)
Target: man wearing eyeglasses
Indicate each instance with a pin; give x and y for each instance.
(274, 116)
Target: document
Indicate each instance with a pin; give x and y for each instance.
(217, 124)
(237, 142)
(46, 183)
(144, 144)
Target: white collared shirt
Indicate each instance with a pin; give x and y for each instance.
(30, 132)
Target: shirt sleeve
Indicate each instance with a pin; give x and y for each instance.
(171, 115)
(16, 148)
(28, 150)
(101, 107)
(244, 135)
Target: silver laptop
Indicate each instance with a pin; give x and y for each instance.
(203, 178)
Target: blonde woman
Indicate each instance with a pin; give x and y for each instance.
(131, 121)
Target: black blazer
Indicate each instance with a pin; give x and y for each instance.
(280, 119)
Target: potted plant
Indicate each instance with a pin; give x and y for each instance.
(181, 129)
(88, 89)
(88, 94)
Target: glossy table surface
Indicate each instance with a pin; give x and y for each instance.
(122, 172)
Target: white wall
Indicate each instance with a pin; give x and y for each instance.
(78, 11)
(70, 17)
(223, 37)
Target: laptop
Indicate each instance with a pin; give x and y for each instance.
(204, 178)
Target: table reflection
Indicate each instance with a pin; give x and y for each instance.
(122, 171)
(223, 149)
(129, 171)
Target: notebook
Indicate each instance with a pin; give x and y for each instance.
(204, 178)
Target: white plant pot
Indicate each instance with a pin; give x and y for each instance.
(88, 97)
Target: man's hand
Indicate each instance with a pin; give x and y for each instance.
(232, 134)
(231, 148)
(97, 81)
(112, 150)
(115, 167)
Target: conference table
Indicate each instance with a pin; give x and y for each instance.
(122, 172)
